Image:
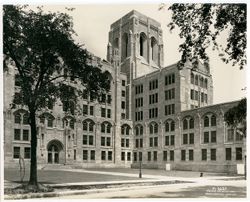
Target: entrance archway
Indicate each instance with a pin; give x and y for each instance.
(54, 149)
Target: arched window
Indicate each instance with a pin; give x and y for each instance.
(172, 126)
(88, 125)
(192, 78)
(154, 50)
(167, 127)
(185, 124)
(143, 45)
(206, 121)
(139, 130)
(213, 120)
(124, 46)
(191, 123)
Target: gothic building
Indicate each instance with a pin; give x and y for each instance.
(162, 117)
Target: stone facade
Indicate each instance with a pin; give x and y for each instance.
(163, 117)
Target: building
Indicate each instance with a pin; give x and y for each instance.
(162, 117)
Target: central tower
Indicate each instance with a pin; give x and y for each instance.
(135, 45)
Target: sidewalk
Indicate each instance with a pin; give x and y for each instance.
(133, 183)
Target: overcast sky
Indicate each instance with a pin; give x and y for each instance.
(92, 24)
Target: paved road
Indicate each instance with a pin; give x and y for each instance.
(198, 189)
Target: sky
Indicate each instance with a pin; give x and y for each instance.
(92, 23)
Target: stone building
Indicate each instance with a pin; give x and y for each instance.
(161, 117)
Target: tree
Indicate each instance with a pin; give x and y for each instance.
(236, 117)
(200, 26)
(41, 47)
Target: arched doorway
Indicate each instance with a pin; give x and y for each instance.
(54, 149)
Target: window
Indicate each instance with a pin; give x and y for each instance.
(50, 122)
(165, 155)
(140, 156)
(103, 155)
(196, 80)
(192, 78)
(108, 141)
(191, 154)
(213, 136)
(85, 155)
(110, 155)
(16, 152)
(185, 138)
(27, 152)
(238, 153)
(185, 124)
(103, 112)
(72, 124)
(191, 123)
(206, 137)
(84, 139)
(166, 140)
(206, 121)
(239, 136)
(192, 94)
(149, 156)
(228, 154)
(191, 138)
(203, 154)
(109, 99)
(183, 155)
(92, 155)
(128, 156)
(171, 155)
(169, 79)
(169, 109)
(172, 140)
(91, 110)
(135, 156)
(123, 93)
(230, 135)
(213, 120)
(109, 113)
(91, 140)
(155, 155)
(18, 118)
(25, 135)
(127, 142)
(213, 154)
(123, 156)
(155, 141)
(102, 141)
(25, 119)
(123, 105)
(123, 83)
(17, 134)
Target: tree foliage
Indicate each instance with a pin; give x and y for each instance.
(49, 63)
(201, 25)
(236, 116)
